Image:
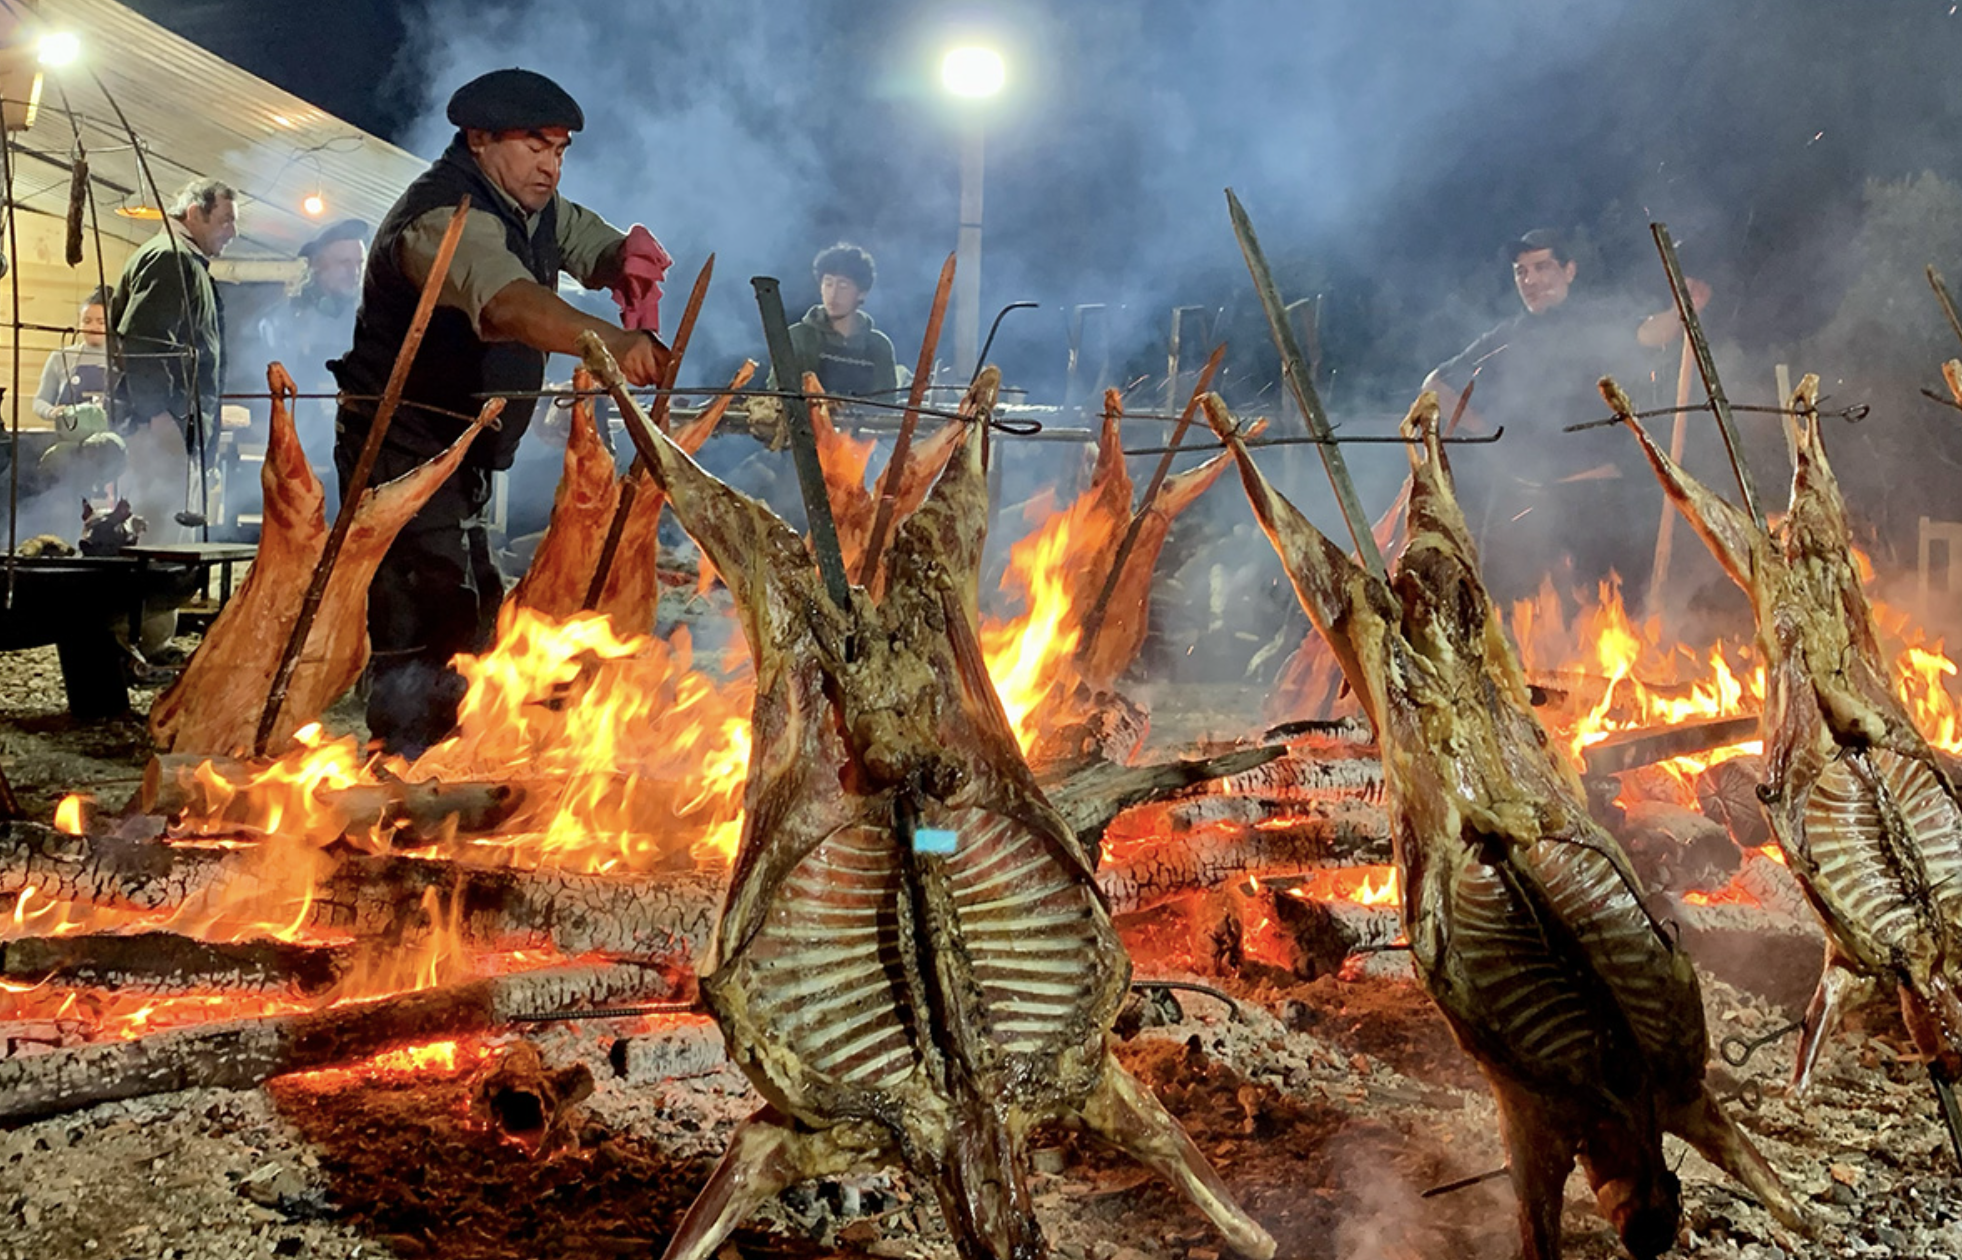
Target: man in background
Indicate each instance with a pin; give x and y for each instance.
(836, 338)
(314, 325)
(169, 324)
(1574, 506)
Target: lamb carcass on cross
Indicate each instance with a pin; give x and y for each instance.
(1866, 812)
(913, 964)
(1524, 917)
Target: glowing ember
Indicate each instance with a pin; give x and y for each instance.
(1364, 885)
(436, 1056)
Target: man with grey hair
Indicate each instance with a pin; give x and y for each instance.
(170, 324)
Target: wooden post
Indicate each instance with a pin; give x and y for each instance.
(1783, 375)
(1295, 372)
(1678, 436)
(868, 565)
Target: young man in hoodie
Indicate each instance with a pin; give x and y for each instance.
(836, 339)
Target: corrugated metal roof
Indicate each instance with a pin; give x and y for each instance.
(196, 114)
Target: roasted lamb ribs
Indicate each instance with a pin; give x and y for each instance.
(913, 965)
(214, 706)
(1526, 922)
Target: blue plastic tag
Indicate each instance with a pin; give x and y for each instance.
(936, 840)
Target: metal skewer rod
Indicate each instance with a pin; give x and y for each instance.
(803, 445)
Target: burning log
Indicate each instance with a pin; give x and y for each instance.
(1628, 750)
(169, 963)
(387, 897)
(1314, 936)
(1757, 947)
(666, 916)
(1142, 876)
(1091, 797)
(1728, 792)
(223, 789)
(239, 1054)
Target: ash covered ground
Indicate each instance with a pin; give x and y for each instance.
(1328, 1106)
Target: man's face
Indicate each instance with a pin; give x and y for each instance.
(95, 326)
(525, 164)
(212, 229)
(840, 294)
(1541, 281)
(336, 267)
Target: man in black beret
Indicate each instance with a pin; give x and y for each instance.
(312, 325)
(498, 315)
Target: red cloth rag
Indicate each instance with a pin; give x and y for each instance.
(643, 265)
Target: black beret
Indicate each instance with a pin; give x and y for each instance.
(345, 230)
(514, 100)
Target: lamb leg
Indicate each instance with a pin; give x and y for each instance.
(1124, 1113)
(1840, 986)
(1717, 1138)
(765, 1157)
(1541, 1157)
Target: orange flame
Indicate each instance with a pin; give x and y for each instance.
(71, 815)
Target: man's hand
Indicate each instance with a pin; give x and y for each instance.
(642, 358)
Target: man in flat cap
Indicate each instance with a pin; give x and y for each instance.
(497, 317)
(313, 325)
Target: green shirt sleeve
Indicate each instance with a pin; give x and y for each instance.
(483, 264)
(588, 246)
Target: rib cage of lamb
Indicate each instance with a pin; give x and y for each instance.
(913, 964)
(1525, 920)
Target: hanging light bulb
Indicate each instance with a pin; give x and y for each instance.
(315, 205)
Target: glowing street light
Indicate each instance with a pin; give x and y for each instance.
(972, 71)
(975, 73)
(58, 48)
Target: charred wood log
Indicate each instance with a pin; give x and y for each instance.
(220, 789)
(1754, 947)
(1094, 794)
(384, 897)
(1677, 848)
(680, 1045)
(668, 916)
(168, 963)
(1629, 749)
(1313, 938)
(1728, 792)
(239, 1054)
(1143, 874)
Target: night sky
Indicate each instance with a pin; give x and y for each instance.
(1386, 151)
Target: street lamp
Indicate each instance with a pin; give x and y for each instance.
(974, 73)
(58, 48)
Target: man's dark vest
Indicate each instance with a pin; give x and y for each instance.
(455, 368)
